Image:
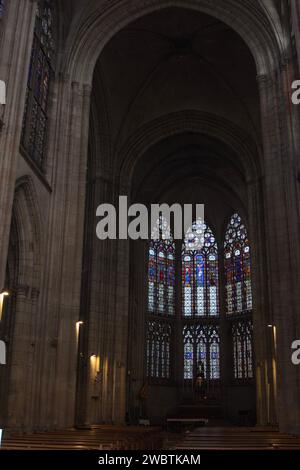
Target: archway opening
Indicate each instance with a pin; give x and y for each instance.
(196, 323)
(174, 118)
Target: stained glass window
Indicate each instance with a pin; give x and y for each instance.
(237, 267)
(200, 290)
(1, 8)
(161, 272)
(35, 118)
(214, 351)
(242, 349)
(201, 343)
(188, 346)
(158, 350)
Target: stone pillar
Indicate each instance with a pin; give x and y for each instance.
(295, 12)
(103, 294)
(120, 319)
(105, 307)
(121, 331)
(137, 329)
(57, 367)
(15, 49)
(262, 315)
(22, 345)
(282, 235)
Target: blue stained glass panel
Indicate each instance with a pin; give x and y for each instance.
(200, 272)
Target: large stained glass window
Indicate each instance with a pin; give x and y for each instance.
(161, 300)
(158, 350)
(161, 273)
(201, 343)
(237, 267)
(242, 349)
(200, 290)
(199, 320)
(237, 259)
(35, 118)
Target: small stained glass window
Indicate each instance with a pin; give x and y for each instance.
(2, 6)
(201, 343)
(158, 350)
(242, 349)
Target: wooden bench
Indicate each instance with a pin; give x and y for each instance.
(237, 439)
(100, 437)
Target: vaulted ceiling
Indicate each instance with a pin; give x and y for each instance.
(177, 59)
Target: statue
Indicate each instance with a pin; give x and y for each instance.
(200, 379)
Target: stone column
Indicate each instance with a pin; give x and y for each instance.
(15, 49)
(22, 345)
(262, 315)
(281, 218)
(121, 294)
(57, 367)
(138, 321)
(295, 12)
(105, 308)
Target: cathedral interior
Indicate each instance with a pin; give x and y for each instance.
(165, 102)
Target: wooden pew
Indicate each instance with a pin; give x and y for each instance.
(237, 439)
(97, 438)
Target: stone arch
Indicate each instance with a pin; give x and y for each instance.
(28, 223)
(242, 145)
(189, 121)
(91, 32)
(22, 320)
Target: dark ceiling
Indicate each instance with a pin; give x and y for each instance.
(177, 59)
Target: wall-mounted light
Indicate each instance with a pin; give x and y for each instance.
(270, 326)
(78, 325)
(94, 365)
(5, 293)
(2, 101)
(2, 92)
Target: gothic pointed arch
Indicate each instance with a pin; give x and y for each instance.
(252, 22)
(19, 327)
